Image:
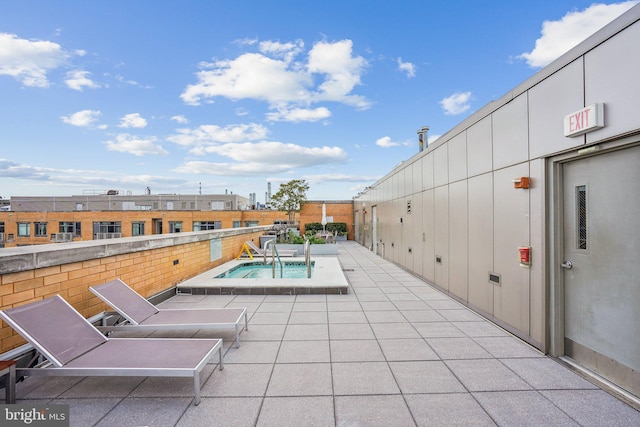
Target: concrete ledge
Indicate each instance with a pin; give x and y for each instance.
(14, 260)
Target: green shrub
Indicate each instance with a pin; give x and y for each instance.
(339, 227)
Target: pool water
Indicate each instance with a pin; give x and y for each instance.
(291, 270)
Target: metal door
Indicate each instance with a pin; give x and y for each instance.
(601, 265)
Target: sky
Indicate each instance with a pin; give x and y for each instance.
(214, 97)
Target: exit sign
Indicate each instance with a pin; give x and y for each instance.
(585, 120)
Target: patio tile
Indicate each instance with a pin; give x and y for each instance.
(344, 306)
(269, 319)
(594, 407)
(411, 305)
(459, 315)
(446, 304)
(357, 378)
(308, 317)
(146, 411)
(447, 410)
(263, 333)
(346, 331)
(297, 411)
(280, 298)
(503, 347)
(402, 296)
(310, 306)
(347, 317)
(312, 298)
(238, 380)
(407, 349)
(306, 332)
(356, 351)
(480, 328)
(545, 373)
(93, 387)
(275, 307)
(306, 379)
(222, 412)
(388, 411)
(486, 375)
(438, 330)
(425, 377)
(422, 315)
(522, 408)
(303, 352)
(394, 330)
(87, 412)
(377, 305)
(253, 352)
(169, 386)
(47, 387)
(457, 348)
(385, 317)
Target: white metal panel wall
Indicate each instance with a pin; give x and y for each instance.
(537, 226)
(606, 80)
(428, 226)
(511, 219)
(458, 239)
(442, 236)
(479, 148)
(440, 166)
(549, 102)
(481, 241)
(458, 157)
(417, 230)
(416, 171)
(427, 171)
(510, 133)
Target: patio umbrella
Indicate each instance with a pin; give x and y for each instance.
(324, 217)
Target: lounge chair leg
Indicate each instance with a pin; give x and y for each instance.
(220, 357)
(196, 383)
(237, 337)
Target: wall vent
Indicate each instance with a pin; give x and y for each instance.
(494, 278)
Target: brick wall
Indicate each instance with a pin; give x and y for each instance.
(148, 272)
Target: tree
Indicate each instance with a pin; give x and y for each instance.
(290, 197)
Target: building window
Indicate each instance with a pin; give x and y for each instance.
(24, 229)
(74, 228)
(237, 224)
(188, 205)
(217, 205)
(251, 223)
(107, 229)
(40, 229)
(175, 226)
(137, 228)
(206, 225)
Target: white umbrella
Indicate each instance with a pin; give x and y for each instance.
(324, 216)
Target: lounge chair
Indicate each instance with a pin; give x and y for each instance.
(282, 252)
(74, 347)
(142, 315)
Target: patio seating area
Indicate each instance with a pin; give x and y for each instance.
(393, 352)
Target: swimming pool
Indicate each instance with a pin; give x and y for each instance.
(252, 270)
(327, 278)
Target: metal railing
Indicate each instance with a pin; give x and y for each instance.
(307, 257)
(62, 237)
(274, 254)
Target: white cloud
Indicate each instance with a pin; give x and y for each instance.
(558, 37)
(206, 135)
(29, 61)
(257, 158)
(457, 103)
(274, 76)
(180, 119)
(79, 79)
(386, 142)
(299, 115)
(133, 120)
(126, 143)
(84, 118)
(407, 67)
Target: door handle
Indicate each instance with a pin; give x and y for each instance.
(567, 264)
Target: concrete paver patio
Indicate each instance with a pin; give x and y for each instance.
(394, 352)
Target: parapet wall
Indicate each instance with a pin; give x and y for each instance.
(149, 264)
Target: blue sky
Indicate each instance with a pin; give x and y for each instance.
(214, 96)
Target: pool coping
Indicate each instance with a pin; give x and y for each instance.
(327, 278)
